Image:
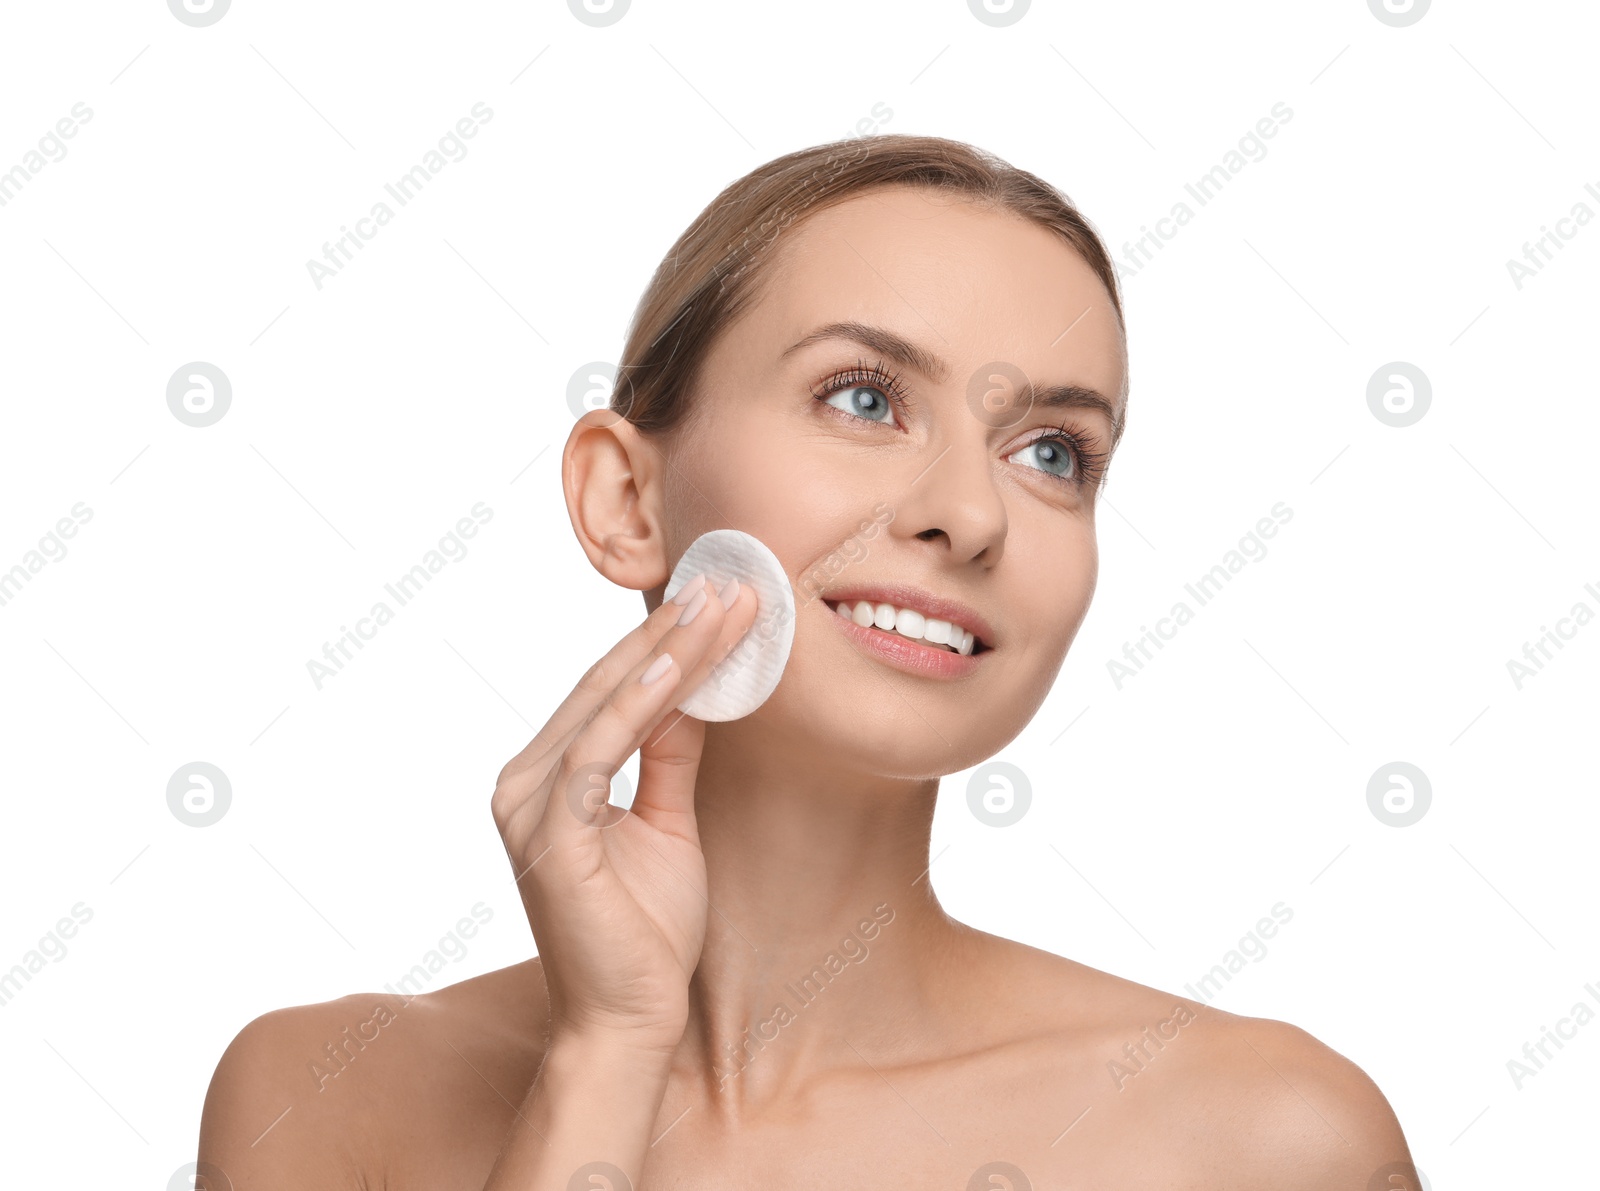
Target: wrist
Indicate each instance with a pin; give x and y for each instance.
(601, 1045)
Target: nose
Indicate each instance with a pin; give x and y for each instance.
(954, 497)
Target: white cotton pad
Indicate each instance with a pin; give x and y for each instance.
(740, 682)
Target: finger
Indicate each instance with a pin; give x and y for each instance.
(522, 795)
(574, 802)
(669, 754)
(669, 764)
(736, 621)
(637, 713)
(596, 684)
(522, 780)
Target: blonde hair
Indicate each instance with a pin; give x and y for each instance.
(713, 272)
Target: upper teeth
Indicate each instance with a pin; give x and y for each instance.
(908, 622)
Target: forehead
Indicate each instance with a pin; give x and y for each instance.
(971, 283)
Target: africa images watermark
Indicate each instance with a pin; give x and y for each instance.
(1137, 255)
(1538, 254)
(1139, 1056)
(51, 548)
(451, 548)
(1251, 548)
(52, 148)
(770, 623)
(1538, 1053)
(452, 147)
(338, 1055)
(765, 234)
(848, 552)
(805, 991)
(1537, 653)
(1252, 946)
(51, 946)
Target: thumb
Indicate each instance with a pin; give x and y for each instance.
(669, 762)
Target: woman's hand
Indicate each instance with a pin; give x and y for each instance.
(617, 898)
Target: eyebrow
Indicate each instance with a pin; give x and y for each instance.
(908, 354)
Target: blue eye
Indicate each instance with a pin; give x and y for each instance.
(864, 401)
(872, 395)
(869, 393)
(1054, 455)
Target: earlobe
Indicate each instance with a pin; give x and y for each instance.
(608, 479)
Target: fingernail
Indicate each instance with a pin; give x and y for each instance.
(729, 593)
(689, 588)
(656, 669)
(694, 607)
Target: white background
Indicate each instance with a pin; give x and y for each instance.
(431, 373)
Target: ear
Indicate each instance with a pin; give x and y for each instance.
(609, 476)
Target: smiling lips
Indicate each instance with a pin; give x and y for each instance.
(909, 623)
(913, 613)
(911, 629)
(917, 657)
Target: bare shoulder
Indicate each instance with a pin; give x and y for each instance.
(1188, 1095)
(377, 1089)
(1292, 1111)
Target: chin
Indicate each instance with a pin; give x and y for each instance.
(867, 728)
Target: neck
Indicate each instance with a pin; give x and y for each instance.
(825, 944)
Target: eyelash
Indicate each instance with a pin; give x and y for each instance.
(1089, 464)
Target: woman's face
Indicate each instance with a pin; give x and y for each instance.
(860, 470)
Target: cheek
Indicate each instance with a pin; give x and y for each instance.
(1056, 567)
(742, 472)
(809, 516)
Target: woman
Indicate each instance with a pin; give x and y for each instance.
(900, 364)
